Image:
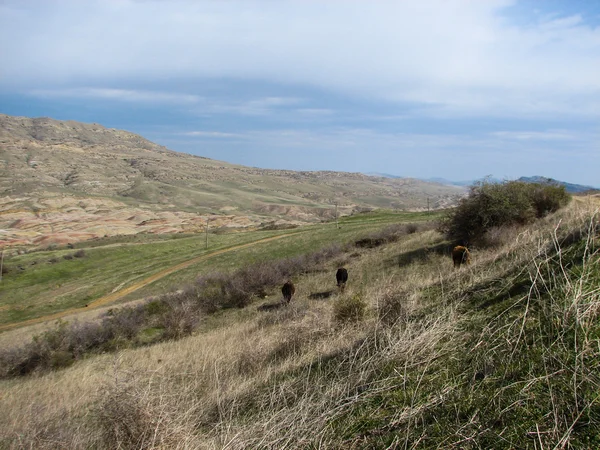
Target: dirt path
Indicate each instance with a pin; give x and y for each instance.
(114, 296)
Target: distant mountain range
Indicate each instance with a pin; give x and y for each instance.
(460, 183)
(570, 187)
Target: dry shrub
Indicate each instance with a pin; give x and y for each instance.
(238, 289)
(126, 322)
(68, 342)
(179, 320)
(350, 308)
(370, 242)
(391, 234)
(411, 228)
(49, 350)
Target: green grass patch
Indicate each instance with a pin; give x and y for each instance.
(36, 287)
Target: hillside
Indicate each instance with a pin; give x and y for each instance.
(500, 354)
(107, 182)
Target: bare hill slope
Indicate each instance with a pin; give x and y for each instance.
(76, 180)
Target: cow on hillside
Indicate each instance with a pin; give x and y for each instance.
(341, 276)
(460, 255)
(288, 290)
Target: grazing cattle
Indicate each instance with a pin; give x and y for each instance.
(341, 277)
(288, 290)
(460, 255)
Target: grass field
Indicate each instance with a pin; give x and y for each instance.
(44, 282)
(413, 354)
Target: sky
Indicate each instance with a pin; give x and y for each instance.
(458, 89)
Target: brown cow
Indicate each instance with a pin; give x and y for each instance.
(288, 290)
(460, 255)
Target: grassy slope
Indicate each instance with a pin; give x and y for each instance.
(45, 287)
(503, 354)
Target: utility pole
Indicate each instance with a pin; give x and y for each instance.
(427, 205)
(207, 219)
(336, 216)
(1, 262)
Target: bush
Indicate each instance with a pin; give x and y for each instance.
(179, 320)
(79, 253)
(349, 309)
(491, 205)
(411, 228)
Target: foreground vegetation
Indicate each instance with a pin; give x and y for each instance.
(413, 354)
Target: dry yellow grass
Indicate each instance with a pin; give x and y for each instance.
(248, 383)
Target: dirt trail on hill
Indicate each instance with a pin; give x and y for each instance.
(114, 296)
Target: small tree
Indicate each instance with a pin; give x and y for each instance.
(494, 205)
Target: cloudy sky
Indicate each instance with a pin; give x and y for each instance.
(459, 89)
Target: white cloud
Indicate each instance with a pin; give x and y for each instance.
(253, 107)
(126, 95)
(209, 134)
(453, 57)
(549, 135)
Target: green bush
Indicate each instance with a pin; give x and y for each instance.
(493, 205)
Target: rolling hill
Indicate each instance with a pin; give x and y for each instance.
(65, 181)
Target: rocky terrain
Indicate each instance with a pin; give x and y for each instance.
(65, 181)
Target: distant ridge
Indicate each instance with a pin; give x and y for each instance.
(570, 187)
(462, 183)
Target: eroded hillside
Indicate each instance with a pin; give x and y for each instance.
(50, 168)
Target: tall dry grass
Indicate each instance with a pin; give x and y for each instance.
(298, 378)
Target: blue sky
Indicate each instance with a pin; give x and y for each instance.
(436, 88)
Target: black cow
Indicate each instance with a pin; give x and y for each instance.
(288, 290)
(341, 277)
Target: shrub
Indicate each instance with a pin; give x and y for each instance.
(155, 307)
(411, 228)
(493, 205)
(79, 253)
(548, 198)
(349, 309)
(179, 320)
